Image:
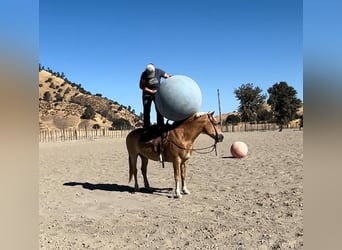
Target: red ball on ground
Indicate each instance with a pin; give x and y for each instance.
(239, 149)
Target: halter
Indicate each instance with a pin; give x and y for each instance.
(213, 147)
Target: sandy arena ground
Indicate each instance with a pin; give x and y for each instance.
(251, 203)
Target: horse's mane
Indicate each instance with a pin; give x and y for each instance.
(175, 124)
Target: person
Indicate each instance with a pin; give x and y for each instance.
(149, 84)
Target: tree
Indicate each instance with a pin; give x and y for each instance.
(264, 116)
(121, 123)
(232, 119)
(89, 113)
(283, 102)
(301, 122)
(58, 97)
(96, 126)
(47, 96)
(251, 101)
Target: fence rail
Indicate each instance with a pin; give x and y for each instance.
(54, 135)
(249, 127)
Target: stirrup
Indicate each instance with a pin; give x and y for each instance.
(161, 160)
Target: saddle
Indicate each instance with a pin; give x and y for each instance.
(153, 135)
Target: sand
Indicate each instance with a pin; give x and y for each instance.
(255, 202)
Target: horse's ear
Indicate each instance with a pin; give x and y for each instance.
(211, 112)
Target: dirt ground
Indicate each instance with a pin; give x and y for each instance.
(255, 202)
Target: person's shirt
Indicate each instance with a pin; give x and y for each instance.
(154, 82)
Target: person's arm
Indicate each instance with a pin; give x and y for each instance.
(144, 88)
(166, 75)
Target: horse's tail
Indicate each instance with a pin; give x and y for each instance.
(131, 169)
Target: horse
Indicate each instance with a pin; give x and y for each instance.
(176, 147)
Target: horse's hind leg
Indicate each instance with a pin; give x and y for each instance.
(144, 162)
(183, 172)
(133, 171)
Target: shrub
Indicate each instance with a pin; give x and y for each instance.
(47, 96)
(89, 113)
(96, 126)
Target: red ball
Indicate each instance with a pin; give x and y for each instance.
(239, 149)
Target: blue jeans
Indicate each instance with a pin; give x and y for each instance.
(147, 102)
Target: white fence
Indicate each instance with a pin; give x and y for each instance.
(54, 135)
(249, 127)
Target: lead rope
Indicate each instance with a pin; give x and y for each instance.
(197, 150)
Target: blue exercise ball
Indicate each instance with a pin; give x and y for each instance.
(178, 98)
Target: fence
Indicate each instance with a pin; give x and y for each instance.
(54, 135)
(242, 127)
(49, 135)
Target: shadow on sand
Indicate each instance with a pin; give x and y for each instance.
(115, 187)
(228, 157)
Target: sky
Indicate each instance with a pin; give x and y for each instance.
(104, 45)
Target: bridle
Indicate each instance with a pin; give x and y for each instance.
(200, 150)
(213, 123)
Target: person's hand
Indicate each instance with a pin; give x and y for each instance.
(154, 91)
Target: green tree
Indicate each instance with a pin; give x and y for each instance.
(47, 96)
(89, 113)
(121, 124)
(58, 97)
(251, 101)
(96, 126)
(301, 122)
(233, 119)
(283, 102)
(264, 116)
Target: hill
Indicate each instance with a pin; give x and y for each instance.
(62, 105)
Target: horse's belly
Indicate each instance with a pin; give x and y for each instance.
(150, 154)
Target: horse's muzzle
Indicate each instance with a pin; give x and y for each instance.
(219, 138)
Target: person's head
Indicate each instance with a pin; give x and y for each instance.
(150, 70)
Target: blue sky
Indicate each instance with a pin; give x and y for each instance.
(104, 45)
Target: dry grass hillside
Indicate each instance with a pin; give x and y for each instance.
(62, 104)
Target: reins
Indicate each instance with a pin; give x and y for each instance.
(198, 150)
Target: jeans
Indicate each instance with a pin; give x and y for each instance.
(147, 102)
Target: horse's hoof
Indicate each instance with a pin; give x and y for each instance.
(186, 191)
(178, 196)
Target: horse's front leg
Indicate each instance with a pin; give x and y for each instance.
(184, 188)
(176, 169)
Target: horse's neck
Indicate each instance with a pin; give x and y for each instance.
(187, 131)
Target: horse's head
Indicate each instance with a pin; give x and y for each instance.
(210, 126)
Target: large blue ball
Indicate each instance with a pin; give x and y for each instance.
(178, 97)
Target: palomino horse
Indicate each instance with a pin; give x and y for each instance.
(177, 148)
